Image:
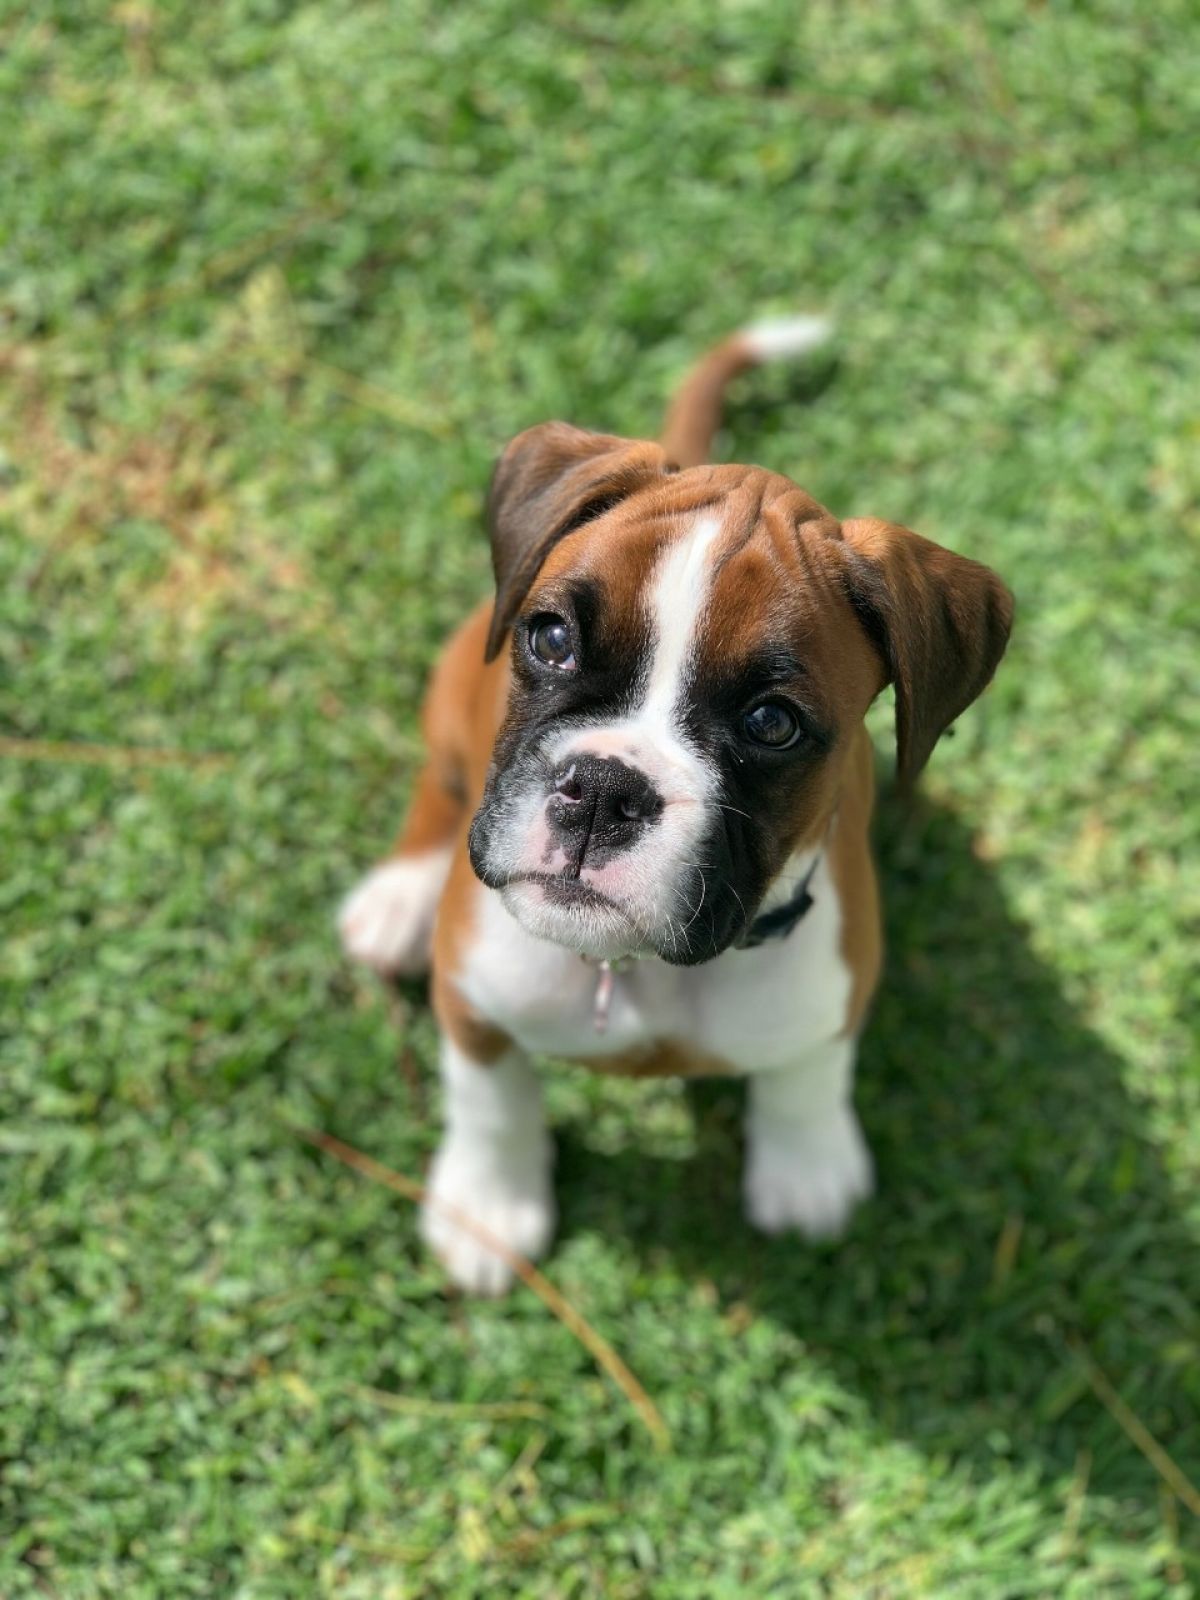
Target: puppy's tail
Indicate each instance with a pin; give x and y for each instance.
(694, 415)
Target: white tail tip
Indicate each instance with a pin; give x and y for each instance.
(779, 337)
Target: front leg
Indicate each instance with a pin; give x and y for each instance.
(493, 1164)
(806, 1161)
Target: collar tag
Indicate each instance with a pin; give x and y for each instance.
(606, 978)
(606, 982)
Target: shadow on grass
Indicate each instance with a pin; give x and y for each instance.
(1020, 1209)
(759, 402)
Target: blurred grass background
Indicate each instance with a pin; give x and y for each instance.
(277, 281)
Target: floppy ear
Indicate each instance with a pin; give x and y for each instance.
(551, 480)
(939, 621)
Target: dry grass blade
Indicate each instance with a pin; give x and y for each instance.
(372, 397)
(227, 262)
(314, 1533)
(528, 1540)
(1076, 1500)
(469, 1411)
(1137, 1432)
(598, 1347)
(1007, 1245)
(107, 755)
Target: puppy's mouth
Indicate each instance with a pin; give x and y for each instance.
(563, 891)
(573, 914)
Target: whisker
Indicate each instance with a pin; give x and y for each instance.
(737, 813)
(738, 898)
(703, 892)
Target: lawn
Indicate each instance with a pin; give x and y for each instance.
(276, 283)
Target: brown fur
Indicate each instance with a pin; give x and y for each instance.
(664, 1059)
(853, 868)
(465, 708)
(695, 413)
(865, 602)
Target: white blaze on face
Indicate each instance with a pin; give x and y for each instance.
(679, 592)
(659, 878)
(652, 736)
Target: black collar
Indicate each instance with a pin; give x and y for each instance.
(781, 920)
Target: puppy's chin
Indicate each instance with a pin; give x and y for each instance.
(574, 918)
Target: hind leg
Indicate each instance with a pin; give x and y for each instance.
(387, 920)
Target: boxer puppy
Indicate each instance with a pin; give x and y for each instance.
(640, 839)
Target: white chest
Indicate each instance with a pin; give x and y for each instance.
(756, 1008)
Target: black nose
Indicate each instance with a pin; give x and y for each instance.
(597, 807)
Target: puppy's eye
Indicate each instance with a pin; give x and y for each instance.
(773, 724)
(550, 641)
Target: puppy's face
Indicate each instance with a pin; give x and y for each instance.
(688, 665)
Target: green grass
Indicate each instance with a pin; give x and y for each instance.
(277, 282)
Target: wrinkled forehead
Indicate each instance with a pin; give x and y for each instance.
(724, 564)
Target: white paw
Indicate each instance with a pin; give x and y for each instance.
(387, 921)
(809, 1178)
(511, 1200)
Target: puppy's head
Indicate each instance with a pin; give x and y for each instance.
(691, 653)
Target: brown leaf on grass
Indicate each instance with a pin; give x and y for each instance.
(552, 1298)
(75, 752)
(1137, 1432)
